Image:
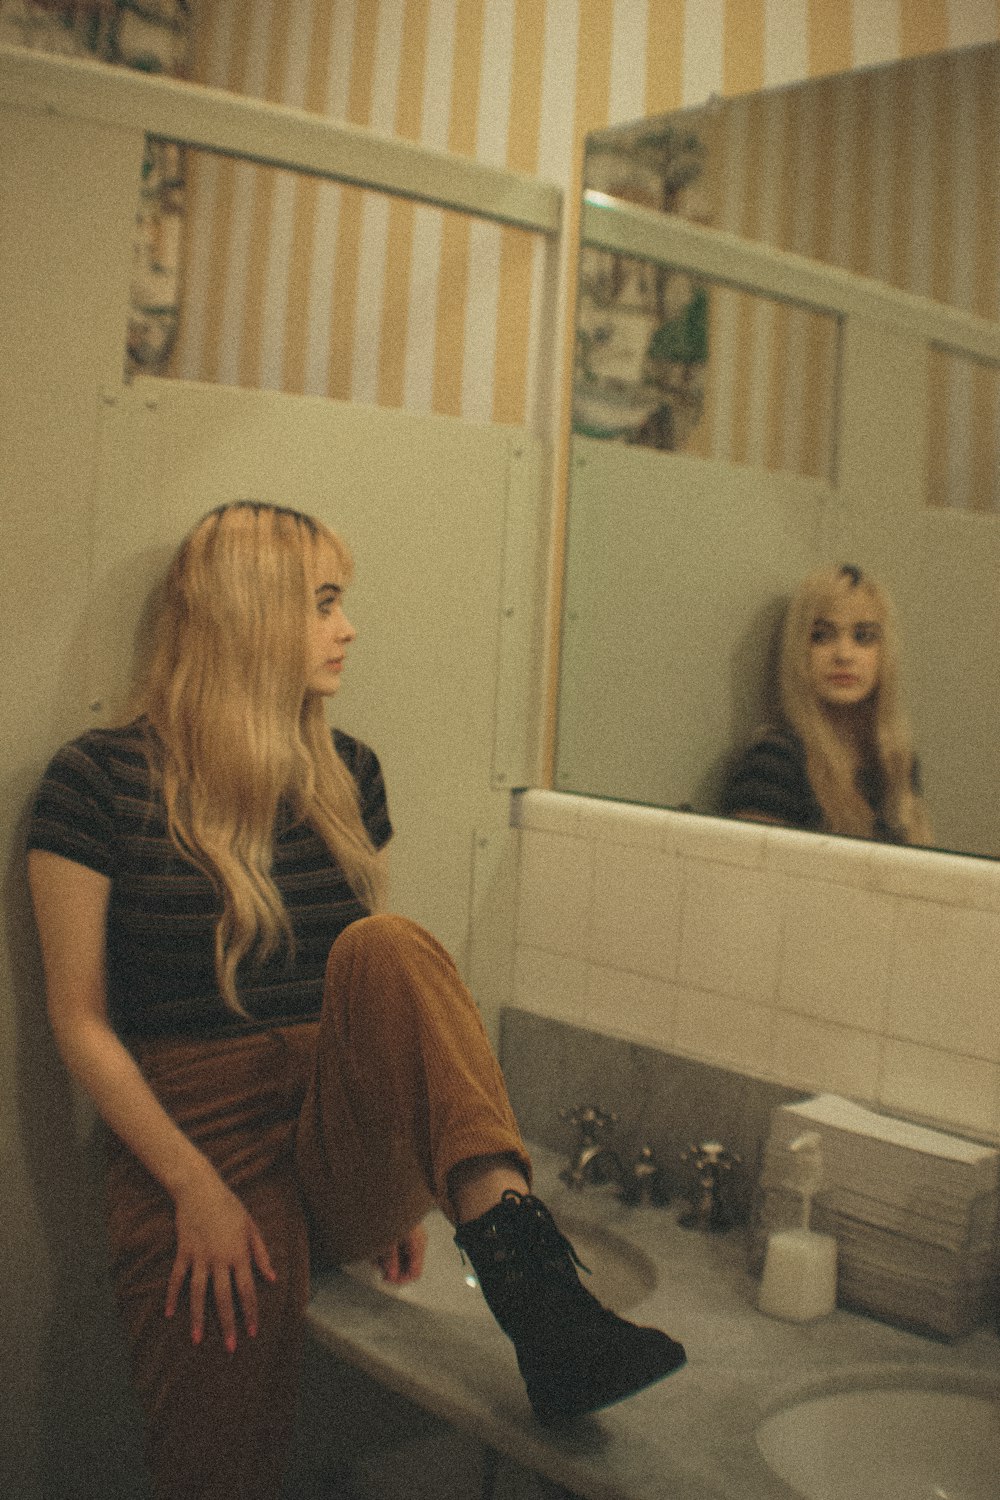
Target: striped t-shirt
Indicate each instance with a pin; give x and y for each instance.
(99, 806)
(770, 778)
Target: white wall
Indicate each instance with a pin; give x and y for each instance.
(822, 963)
(98, 481)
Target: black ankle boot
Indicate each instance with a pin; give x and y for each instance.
(575, 1355)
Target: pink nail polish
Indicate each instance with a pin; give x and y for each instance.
(252, 1330)
(231, 1343)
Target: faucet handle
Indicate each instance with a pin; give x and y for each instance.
(646, 1181)
(707, 1210)
(711, 1154)
(591, 1121)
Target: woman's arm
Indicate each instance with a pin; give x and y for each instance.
(217, 1240)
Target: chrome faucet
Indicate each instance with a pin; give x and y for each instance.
(646, 1181)
(706, 1210)
(593, 1160)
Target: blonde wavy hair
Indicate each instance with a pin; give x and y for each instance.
(236, 732)
(885, 731)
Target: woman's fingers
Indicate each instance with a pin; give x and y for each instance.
(404, 1260)
(177, 1275)
(246, 1291)
(219, 1247)
(222, 1286)
(388, 1263)
(261, 1258)
(413, 1249)
(197, 1288)
(246, 1286)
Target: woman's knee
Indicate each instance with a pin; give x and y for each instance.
(383, 937)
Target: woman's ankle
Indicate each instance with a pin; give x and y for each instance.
(477, 1185)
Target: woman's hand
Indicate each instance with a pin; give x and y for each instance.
(217, 1240)
(404, 1261)
(218, 1245)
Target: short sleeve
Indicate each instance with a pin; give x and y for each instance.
(770, 779)
(363, 764)
(74, 811)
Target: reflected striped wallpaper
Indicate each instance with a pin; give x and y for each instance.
(894, 174)
(298, 285)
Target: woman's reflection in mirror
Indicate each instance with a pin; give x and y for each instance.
(839, 758)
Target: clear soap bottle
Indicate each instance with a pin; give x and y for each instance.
(800, 1267)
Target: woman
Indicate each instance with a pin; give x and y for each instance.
(842, 760)
(285, 1072)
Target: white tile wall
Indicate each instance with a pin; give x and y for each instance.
(816, 962)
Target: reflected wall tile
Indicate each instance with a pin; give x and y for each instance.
(945, 977)
(731, 930)
(635, 906)
(554, 891)
(961, 1093)
(626, 823)
(946, 879)
(837, 950)
(551, 984)
(826, 1058)
(631, 1005)
(722, 840)
(817, 856)
(723, 1030)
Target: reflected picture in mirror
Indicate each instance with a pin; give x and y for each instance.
(838, 756)
(788, 354)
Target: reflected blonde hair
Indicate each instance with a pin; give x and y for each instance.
(885, 731)
(236, 731)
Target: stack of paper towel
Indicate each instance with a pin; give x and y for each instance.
(916, 1213)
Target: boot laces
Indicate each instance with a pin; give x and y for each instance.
(525, 1231)
(538, 1232)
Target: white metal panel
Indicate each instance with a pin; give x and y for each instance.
(666, 239)
(675, 572)
(276, 135)
(423, 503)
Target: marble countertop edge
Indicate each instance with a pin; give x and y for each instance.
(691, 1435)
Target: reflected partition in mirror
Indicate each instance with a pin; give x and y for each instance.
(788, 354)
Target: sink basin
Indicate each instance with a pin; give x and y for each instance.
(622, 1276)
(905, 1438)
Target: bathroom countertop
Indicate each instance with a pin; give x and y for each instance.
(692, 1434)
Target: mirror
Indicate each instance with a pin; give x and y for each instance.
(788, 354)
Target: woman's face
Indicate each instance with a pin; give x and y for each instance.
(845, 651)
(330, 631)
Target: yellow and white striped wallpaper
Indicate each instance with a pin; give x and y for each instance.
(894, 174)
(300, 285)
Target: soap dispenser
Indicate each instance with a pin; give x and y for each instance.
(800, 1267)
